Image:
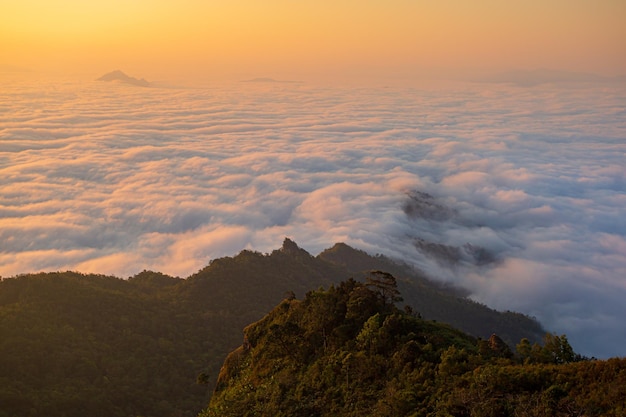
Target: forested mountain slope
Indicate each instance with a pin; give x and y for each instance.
(75, 345)
(436, 302)
(348, 351)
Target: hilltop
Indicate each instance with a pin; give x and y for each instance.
(120, 77)
(348, 351)
(75, 344)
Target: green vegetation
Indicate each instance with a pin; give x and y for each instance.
(348, 351)
(152, 345)
(75, 345)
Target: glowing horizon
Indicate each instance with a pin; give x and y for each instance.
(113, 178)
(191, 38)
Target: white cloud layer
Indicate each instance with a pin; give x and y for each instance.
(113, 179)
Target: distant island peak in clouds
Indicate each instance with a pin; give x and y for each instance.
(119, 76)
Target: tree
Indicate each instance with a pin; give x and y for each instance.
(367, 338)
(557, 349)
(385, 285)
(524, 349)
(499, 348)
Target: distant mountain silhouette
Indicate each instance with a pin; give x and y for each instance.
(546, 76)
(423, 206)
(119, 76)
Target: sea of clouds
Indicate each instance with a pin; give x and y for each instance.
(114, 179)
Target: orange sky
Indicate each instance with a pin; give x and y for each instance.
(300, 38)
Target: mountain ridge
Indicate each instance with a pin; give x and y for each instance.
(116, 346)
(346, 351)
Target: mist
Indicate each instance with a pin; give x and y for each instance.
(525, 186)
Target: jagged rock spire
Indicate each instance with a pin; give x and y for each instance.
(289, 246)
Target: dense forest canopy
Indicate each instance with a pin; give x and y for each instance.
(348, 351)
(73, 344)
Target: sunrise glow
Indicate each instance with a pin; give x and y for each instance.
(199, 39)
(481, 142)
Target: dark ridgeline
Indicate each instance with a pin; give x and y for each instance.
(76, 345)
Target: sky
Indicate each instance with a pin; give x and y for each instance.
(114, 179)
(206, 40)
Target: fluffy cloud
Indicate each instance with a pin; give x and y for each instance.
(524, 187)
